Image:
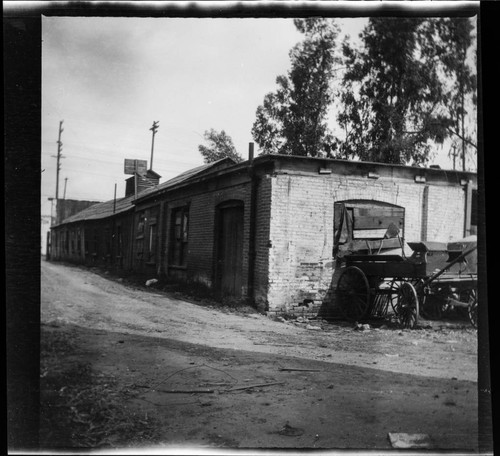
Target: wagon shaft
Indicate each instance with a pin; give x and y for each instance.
(455, 303)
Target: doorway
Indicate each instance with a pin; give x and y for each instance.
(229, 249)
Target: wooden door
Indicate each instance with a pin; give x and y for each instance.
(230, 251)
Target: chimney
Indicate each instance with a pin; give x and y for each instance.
(250, 151)
(143, 181)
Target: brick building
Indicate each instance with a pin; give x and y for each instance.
(269, 230)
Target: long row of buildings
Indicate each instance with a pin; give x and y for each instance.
(269, 231)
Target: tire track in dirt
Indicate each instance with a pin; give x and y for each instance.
(92, 301)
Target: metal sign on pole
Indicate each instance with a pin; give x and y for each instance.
(132, 166)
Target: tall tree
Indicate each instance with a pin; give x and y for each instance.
(219, 145)
(396, 93)
(292, 120)
(392, 94)
(452, 39)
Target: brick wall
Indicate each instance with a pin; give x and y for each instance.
(301, 265)
(201, 237)
(262, 237)
(445, 221)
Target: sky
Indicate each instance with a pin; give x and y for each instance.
(109, 78)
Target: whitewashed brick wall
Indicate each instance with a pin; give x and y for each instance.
(301, 265)
(446, 214)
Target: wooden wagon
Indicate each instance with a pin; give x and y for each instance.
(435, 276)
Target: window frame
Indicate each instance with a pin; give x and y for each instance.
(179, 237)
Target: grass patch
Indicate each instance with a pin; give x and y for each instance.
(80, 408)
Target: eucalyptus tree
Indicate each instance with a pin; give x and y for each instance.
(293, 119)
(219, 145)
(453, 41)
(399, 94)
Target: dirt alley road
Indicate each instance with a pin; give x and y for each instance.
(358, 386)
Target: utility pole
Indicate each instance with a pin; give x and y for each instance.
(59, 156)
(154, 128)
(65, 182)
(454, 155)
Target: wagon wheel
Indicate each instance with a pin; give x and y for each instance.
(472, 308)
(394, 286)
(407, 305)
(393, 297)
(353, 293)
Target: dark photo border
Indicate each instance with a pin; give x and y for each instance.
(22, 172)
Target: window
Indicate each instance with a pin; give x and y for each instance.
(119, 241)
(178, 250)
(107, 241)
(141, 222)
(139, 240)
(473, 215)
(152, 243)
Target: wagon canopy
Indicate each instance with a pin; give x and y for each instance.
(367, 227)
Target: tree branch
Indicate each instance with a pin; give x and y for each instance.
(468, 141)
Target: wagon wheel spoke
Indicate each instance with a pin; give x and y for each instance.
(393, 297)
(407, 305)
(353, 293)
(472, 308)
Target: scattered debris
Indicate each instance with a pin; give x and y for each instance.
(314, 328)
(273, 344)
(259, 385)
(290, 431)
(362, 327)
(186, 391)
(151, 282)
(298, 369)
(403, 440)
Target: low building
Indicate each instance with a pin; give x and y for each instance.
(271, 230)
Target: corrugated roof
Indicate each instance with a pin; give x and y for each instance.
(185, 176)
(102, 210)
